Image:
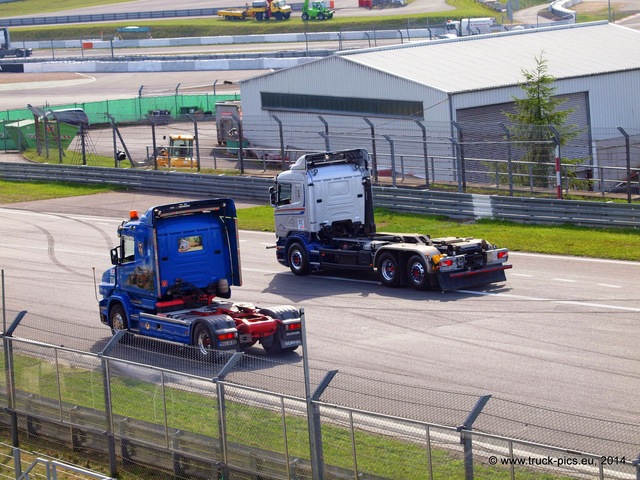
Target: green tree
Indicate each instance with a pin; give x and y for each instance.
(534, 116)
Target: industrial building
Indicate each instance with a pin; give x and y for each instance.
(427, 90)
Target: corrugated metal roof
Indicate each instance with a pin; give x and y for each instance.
(495, 60)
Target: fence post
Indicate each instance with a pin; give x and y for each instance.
(10, 378)
(222, 417)
(326, 141)
(556, 139)
(326, 132)
(393, 160)
(460, 143)
(456, 148)
(628, 157)
(195, 138)
(374, 153)
(59, 142)
(313, 410)
(154, 145)
(509, 158)
(424, 152)
(636, 463)
(108, 406)
(240, 139)
(281, 136)
(466, 439)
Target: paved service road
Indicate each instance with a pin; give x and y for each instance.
(562, 332)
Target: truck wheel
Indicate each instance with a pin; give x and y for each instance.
(203, 341)
(305, 17)
(279, 16)
(259, 16)
(388, 270)
(117, 318)
(417, 273)
(271, 344)
(321, 16)
(297, 259)
(287, 16)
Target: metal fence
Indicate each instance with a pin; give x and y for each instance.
(130, 403)
(409, 200)
(467, 158)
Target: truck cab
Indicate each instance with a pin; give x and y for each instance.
(7, 50)
(469, 26)
(171, 274)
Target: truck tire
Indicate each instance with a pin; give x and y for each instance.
(388, 270)
(279, 16)
(287, 16)
(259, 16)
(117, 318)
(297, 259)
(320, 16)
(305, 16)
(203, 340)
(417, 273)
(272, 344)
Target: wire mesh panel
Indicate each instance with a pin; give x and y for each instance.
(57, 384)
(559, 428)
(263, 433)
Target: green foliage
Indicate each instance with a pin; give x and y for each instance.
(537, 115)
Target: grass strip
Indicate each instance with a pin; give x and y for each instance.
(386, 456)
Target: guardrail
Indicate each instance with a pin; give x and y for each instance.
(424, 202)
(110, 17)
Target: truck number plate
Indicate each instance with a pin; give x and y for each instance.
(226, 343)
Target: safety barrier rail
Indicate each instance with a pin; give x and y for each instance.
(426, 202)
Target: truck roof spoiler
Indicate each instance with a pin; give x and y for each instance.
(224, 206)
(358, 156)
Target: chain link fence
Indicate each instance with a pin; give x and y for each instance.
(135, 403)
(469, 157)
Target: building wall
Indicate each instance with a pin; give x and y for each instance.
(336, 76)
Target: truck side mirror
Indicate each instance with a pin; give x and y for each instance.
(273, 196)
(115, 256)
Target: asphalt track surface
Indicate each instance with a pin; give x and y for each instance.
(560, 333)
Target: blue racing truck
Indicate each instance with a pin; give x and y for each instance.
(171, 279)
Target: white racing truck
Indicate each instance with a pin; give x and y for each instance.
(323, 208)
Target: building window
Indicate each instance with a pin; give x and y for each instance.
(342, 105)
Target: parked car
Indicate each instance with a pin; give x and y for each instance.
(160, 117)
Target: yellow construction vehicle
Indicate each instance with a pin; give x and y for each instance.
(260, 10)
(179, 153)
